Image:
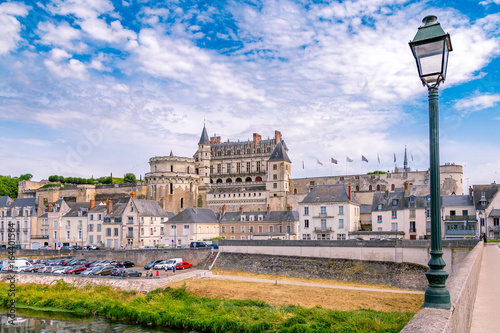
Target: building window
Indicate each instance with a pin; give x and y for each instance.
(341, 236)
(248, 163)
(275, 185)
(275, 167)
(341, 223)
(130, 220)
(91, 227)
(395, 202)
(98, 228)
(243, 229)
(306, 236)
(465, 212)
(250, 229)
(378, 187)
(271, 228)
(394, 214)
(341, 210)
(306, 223)
(91, 217)
(223, 229)
(108, 232)
(412, 213)
(238, 167)
(116, 231)
(323, 211)
(482, 222)
(232, 229)
(394, 227)
(323, 224)
(379, 207)
(370, 188)
(275, 176)
(99, 217)
(260, 229)
(495, 221)
(306, 210)
(412, 226)
(453, 213)
(68, 235)
(258, 166)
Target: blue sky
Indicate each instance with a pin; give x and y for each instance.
(94, 87)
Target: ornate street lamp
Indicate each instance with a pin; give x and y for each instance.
(430, 48)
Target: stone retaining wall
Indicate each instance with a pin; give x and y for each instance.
(462, 285)
(400, 275)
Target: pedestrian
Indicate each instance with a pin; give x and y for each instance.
(173, 269)
(485, 239)
(157, 273)
(166, 270)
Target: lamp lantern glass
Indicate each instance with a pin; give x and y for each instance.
(430, 48)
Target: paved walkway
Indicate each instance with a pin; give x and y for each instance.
(487, 306)
(320, 285)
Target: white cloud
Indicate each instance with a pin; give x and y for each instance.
(487, 2)
(60, 66)
(11, 28)
(477, 103)
(62, 35)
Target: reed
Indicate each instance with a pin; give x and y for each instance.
(178, 308)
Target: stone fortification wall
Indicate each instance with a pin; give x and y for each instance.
(462, 285)
(139, 257)
(400, 275)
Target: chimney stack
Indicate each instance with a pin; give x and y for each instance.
(163, 203)
(277, 137)
(50, 207)
(268, 209)
(470, 192)
(387, 194)
(288, 208)
(256, 138)
(349, 188)
(241, 210)
(406, 189)
(92, 203)
(132, 194)
(224, 209)
(109, 205)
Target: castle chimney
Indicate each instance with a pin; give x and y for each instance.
(387, 194)
(109, 205)
(406, 189)
(132, 194)
(268, 209)
(163, 203)
(50, 207)
(470, 192)
(349, 188)
(256, 138)
(92, 203)
(241, 210)
(288, 208)
(224, 209)
(41, 207)
(277, 136)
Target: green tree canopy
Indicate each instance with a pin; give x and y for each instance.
(129, 178)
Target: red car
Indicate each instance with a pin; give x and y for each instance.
(183, 265)
(75, 269)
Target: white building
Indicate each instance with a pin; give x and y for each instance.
(328, 212)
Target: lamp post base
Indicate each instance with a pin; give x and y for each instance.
(436, 294)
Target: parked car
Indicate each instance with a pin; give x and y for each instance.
(34, 268)
(215, 246)
(75, 269)
(68, 248)
(76, 247)
(172, 262)
(183, 265)
(198, 244)
(181, 246)
(90, 271)
(131, 273)
(104, 270)
(45, 247)
(58, 270)
(96, 263)
(151, 264)
(125, 264)
(160, 265)
(117, 271)
(51, 269)
(149, 247)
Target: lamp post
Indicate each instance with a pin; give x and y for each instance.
(430, 47)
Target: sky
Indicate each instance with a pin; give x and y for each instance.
(94, 87)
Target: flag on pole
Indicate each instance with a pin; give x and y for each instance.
(317, 160)
(411, 157)
(348, 159)
(364, 159)
(302, 164)
(394, 157)
(378, 157)
(334, 161)
(467, 223)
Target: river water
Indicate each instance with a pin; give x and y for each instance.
(44, 322)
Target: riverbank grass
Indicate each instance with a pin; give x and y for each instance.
(180, 309)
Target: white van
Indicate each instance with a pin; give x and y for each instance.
(172, 262)
(15, 265)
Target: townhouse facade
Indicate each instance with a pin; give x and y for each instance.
(329, 212)
(260, 225)
(191, 225)
(74, 224)
(459, 217)
(19, 215)
(487, 204)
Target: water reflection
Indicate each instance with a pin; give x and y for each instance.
(29, 321)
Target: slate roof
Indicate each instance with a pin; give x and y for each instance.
(233, 189)
(4, 201)
(489, 192)
(273, 216)
(328, 193)
(149, 208)
(21, 203)
(76, 207)
(388, 203)
(495, 213)
(279, 153)
(117, 210)
(456, 200)
(98, 208)
(204, 137)
(365, 209)
(189, 215)
(416, 201)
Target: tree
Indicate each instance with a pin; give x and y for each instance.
(129, 178)
(26, 176)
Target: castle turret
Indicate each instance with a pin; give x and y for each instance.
(203, 157)
(278, 176)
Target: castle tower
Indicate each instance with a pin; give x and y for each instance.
(278, 176)
(405, 165)
(203, 157)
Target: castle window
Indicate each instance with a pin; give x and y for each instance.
(248, 179)
(393, 187)
(171, 168)
(248, 151)
(378, 187)
(219, 153)
(229, 180)
(238, 167)
(258, 150)
(182, 203)
(258, 166)
(171, 188)
(275, 177)
(370, 188)
(238, 180)
(248, 166)
(228, 153)
(268, 149)
(258, 179)
(219, 181)
(238, 152)
(357, 187)
(294, 191)
(275, 166)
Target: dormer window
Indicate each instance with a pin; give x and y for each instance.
(395, 202)
(412, 199)
(379, 207)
